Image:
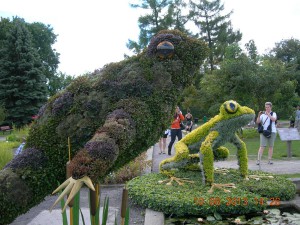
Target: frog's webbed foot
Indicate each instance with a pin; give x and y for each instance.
(221, 171)
(179, 181)
(71, 186)
(221, 186)
(259, 177)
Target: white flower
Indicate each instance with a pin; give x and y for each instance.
(200, 220)
(237, 221)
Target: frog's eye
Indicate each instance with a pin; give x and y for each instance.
(165, 50)
(231, 106)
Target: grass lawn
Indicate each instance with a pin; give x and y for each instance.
(251, 138)
(11, 141)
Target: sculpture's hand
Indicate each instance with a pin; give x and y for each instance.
(71, 186)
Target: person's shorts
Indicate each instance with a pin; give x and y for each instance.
(165, 135)
(267, 141)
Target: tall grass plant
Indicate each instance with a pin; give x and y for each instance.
(6, 152)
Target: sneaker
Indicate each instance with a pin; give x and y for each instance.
(257, 162)
(160, 153)
(270, 162)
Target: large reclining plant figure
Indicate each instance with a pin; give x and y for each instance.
(110, 116)
(212, 135)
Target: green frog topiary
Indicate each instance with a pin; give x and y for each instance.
(212, 135)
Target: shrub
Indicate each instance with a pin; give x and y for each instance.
(131, 170)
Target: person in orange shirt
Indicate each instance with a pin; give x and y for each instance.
(175, 128)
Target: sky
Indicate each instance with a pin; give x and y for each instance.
(93, 33)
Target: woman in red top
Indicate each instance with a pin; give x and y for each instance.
(175, 128)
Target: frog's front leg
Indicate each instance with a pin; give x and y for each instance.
(241, 155)
(207, 157)
(207, 160)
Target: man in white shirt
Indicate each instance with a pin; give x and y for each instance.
(265, 118)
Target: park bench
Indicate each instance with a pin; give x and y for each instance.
(6, 129)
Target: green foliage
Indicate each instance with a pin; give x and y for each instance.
(43, 39)
(165, 14)
(59, 82)
(6, 152)
(22, 82)
(267, 81)
(214, 28)
(288, 51)
(2, 114)
(108, 117)
(194, 199)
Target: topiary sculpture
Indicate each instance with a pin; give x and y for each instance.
(212, 135)
(110, 116)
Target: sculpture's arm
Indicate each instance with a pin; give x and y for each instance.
(241, 155)
(99, 154)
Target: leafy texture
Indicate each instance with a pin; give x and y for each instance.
(111, 116)
(249, 196)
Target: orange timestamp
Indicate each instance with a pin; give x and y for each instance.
(237, 201)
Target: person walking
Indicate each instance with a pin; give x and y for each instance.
(163, 142)
(189, 121)
(175, 128)
(265, 118)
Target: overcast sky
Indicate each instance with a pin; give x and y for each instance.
(93, 33)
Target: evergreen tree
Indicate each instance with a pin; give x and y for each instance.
(2, 114)
(214, 28)
(22, 84)
(43, 38)
(176, 18)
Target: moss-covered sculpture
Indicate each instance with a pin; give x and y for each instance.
(212, 135)
(189, 195)
(110, 116)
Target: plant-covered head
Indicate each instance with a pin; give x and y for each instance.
(182, 53)
(231, 110)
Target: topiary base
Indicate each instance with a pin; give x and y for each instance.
(193, 199)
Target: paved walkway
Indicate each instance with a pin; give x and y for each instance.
(40, 215)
